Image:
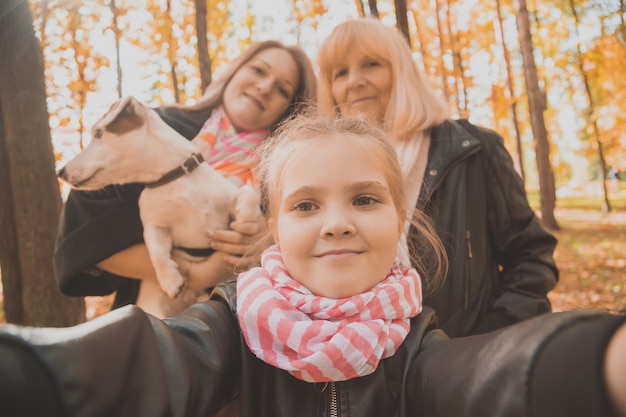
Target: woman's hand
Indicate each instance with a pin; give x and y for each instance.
(236, 251)
(238, 246)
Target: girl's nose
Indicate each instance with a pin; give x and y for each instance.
(337, 223)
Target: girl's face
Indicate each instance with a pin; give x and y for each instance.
(336, 222)
(260, 91)
(361, 85)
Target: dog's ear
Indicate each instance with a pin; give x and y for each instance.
(124, 116)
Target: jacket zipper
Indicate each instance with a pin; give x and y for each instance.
(334, 409)
(470, 255)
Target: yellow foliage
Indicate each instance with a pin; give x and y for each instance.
(77, 37)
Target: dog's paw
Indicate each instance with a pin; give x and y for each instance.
(247, 204)
(173, 285)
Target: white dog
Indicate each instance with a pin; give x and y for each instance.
(184, 200)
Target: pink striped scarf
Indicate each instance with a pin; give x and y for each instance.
(319, 339)
(231, 153)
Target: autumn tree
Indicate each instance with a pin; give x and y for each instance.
(117, 34)
(423, 34)
(30, 202)
(204, 60)
(167, 36)
(537, 105)
(510, 90)
(360, 8)
(402, 20)
(171, 43)
(85, 61)
(460, 83)
(591, 111)
(212, 26)
(373, 7)
(307, 12)
(442, 50)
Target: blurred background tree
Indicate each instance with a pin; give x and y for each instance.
(30, 201)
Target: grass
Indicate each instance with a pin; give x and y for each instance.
(587, 201)
(591, 256)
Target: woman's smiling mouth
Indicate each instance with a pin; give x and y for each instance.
(255, 101)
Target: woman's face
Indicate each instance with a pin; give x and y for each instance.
(261, 90)
(361, 85)
(337, 226)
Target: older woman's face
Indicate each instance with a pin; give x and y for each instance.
(261, 90)
(361, 85)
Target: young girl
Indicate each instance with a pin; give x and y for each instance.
(330, 324)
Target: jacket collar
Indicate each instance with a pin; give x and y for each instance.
(450, 144)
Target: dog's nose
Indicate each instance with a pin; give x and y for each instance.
(61, 173)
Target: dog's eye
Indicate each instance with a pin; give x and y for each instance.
(98, 133)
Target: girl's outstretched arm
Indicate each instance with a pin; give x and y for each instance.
(563, 364)
(125, 363)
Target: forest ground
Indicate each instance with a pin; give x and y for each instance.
(591, 256)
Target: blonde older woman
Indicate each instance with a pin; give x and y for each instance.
(501, 264)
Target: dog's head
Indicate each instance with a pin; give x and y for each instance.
(121, 141)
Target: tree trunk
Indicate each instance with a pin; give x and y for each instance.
(512, 99)
(622, 18)
(204, 60)
(373, 8)
(590, 114)
(402, 20)
(171, 51)
(118, 62)
(30, 201)
(420, 41)
(360, 8)
(458, 88)
(537, 105)
(442, 47)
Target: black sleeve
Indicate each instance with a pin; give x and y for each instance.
(28, 378)
(186, 122)
(93, 226)
(567, 376)
(125, 363)
(551, 365)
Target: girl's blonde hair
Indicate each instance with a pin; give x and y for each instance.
(428, 257)
(413, 105)
(304, 95)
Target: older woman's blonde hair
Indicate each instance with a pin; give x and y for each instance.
(413, 105)
(304, 95)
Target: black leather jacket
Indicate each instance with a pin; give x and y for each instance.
(501, 265)
(129, 364)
